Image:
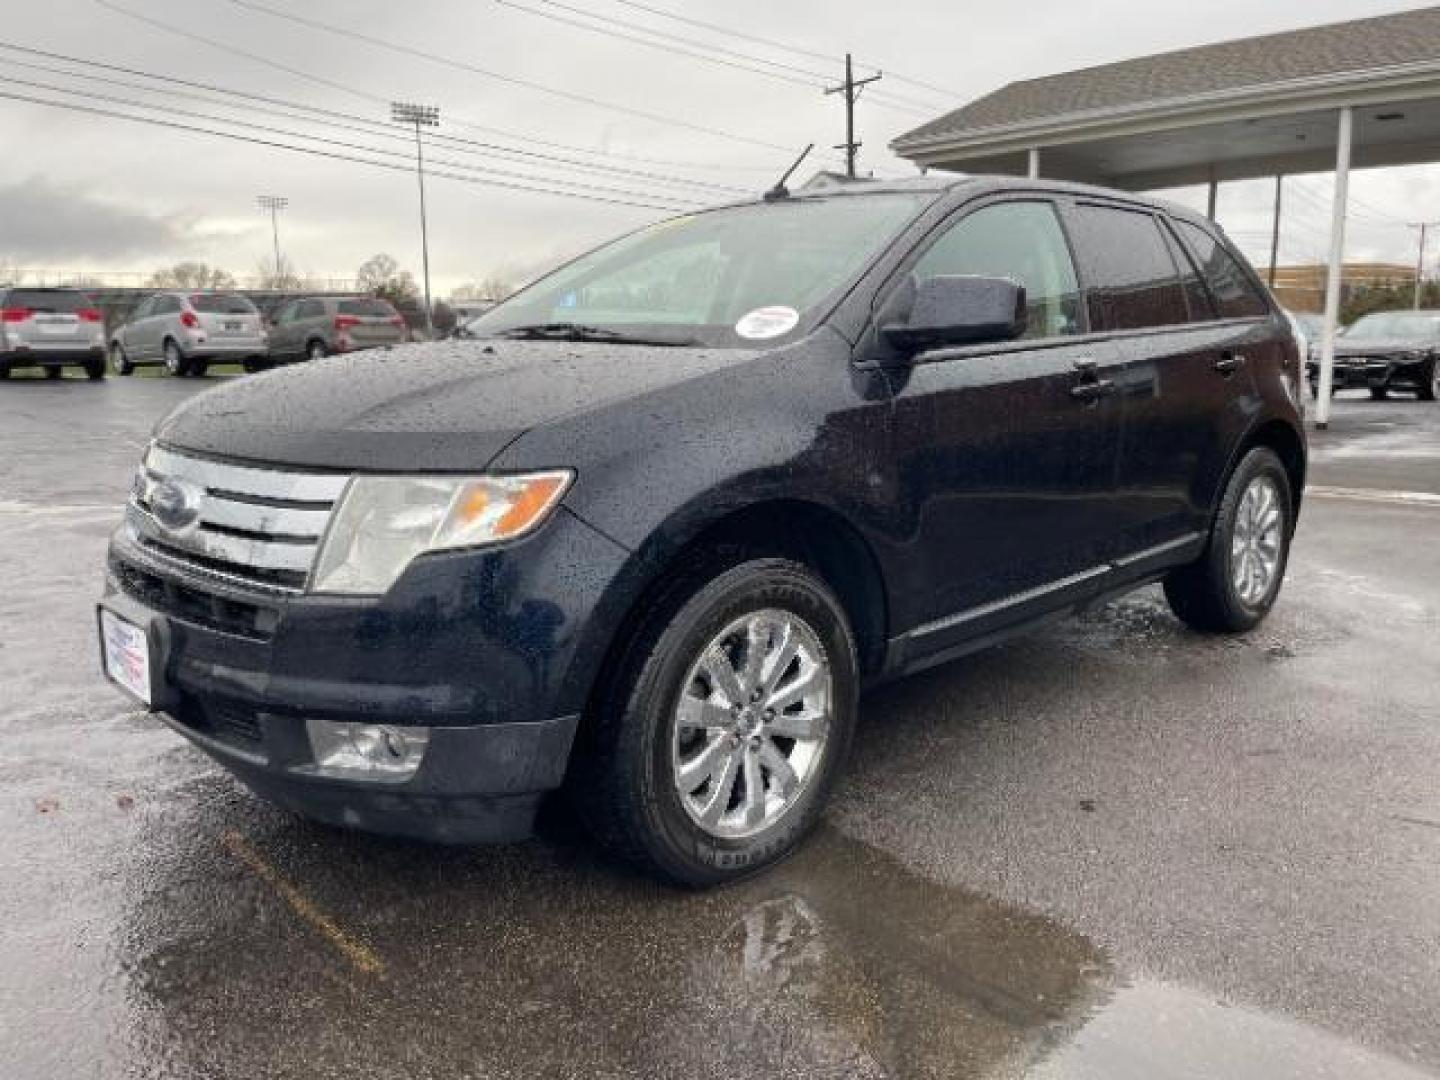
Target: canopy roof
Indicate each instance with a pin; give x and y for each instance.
(1253, 107)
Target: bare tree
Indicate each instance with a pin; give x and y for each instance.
(281, 278)
(191, 275)
(381, 274)
(491, 287)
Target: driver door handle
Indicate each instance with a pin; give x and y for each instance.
(1092, 391)
(1229, 363)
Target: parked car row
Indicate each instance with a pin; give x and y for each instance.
(184, 331)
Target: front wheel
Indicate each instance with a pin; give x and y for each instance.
(95, 368)
(253, 365)
(315, 350)
(54, 372)
(1233, 585)
(1430, 382)
(726, 724)
(1378, 393)
(120, 362)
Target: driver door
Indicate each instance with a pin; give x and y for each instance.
(1006, 463)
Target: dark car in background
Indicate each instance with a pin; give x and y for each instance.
(315, 326)
(1385, 351)
(651, 532)
(50, 329)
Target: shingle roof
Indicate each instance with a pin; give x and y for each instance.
(1334, 49)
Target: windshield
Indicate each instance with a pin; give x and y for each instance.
(726, 277)
(48, 300)
(222, 304)
(1402, 325)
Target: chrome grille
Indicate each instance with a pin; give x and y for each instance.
(257, 526)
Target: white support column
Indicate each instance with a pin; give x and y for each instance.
(1337, 262)
(1033, 168)
(1212, 195)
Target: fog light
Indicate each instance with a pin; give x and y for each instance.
(367, 751)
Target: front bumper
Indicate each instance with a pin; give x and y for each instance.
(1370, 372)
(476, 646)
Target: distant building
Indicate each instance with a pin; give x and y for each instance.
(1302, 288)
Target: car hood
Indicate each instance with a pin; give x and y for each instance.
(1377, 347)
(436, 406)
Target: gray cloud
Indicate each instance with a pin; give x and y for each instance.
(44, 220)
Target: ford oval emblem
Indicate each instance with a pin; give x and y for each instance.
(176, 504)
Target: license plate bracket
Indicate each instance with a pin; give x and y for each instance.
(127, 654)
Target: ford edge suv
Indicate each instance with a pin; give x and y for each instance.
(647, 534)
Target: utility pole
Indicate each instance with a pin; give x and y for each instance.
(851, 88)
(426, 116)
(1424, 227)
(274, 203)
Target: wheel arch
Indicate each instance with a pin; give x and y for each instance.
(810, 533)
(1289, 446)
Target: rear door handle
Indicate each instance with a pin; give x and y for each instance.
(1092, 391)
(1229, 363)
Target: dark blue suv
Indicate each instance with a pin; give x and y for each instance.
(646, 532)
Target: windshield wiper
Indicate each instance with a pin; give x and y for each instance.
(568, 331)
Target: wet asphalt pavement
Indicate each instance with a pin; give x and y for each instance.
(1113, 849)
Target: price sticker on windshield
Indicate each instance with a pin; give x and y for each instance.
(767, 322)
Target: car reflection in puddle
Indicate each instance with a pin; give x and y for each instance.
(545, 960)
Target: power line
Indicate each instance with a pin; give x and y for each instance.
(695, 49)
(330, 117)
(461, 65)
(309, 76)
(332, 155)
(482, 169)
(784, 47)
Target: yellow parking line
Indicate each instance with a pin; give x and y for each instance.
(357, 952)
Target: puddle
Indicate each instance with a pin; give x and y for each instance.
(543, 960)
(1152, 1031)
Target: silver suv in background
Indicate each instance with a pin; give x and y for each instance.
(50, 328)
(186, 331)
(317, 326)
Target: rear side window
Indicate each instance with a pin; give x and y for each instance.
(1130, 279)
(367, 309)
(310, 309)
(50, 300)
(1021, 241)
(167, 305)
(1235, 294)
(222, 305)
(1202, 309)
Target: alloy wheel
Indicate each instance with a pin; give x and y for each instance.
(752, 723)
(1256, 541)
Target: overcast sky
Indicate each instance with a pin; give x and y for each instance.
(88, 193)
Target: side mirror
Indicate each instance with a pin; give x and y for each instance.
(955, 309)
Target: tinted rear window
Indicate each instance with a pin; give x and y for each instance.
(222, 305)
(372, 309)
(48, 300)
(1235, 294)
(1130, 279)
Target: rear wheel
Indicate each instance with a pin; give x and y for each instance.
(316, 350)
(4, 371)
(727, 722)
(95, 369)
(254, 364)
(1378, 393)
(199, 367)
(1233, 585)
(119, 362)
(175, 362)
(54, 371)
(1429, 389)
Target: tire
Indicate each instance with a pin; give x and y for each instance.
(199, 367)
(54, 371)
(628, 764)
(95, 369)
(1378, 393)
(253, 365)
(316, 350)
(119, 361)
(4, 371)
(1429, 388)
(175, 362)
(1205, 594)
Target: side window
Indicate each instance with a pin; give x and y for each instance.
(282, 314)
(145, 309)
(167, 305)
(1021, 241)
(1235, 294)
(1202, 308)
(310, 309)
(1130, 279)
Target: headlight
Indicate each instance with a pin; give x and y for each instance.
(384, 522)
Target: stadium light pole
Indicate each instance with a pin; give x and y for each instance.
(274, 203)
(421, 116)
